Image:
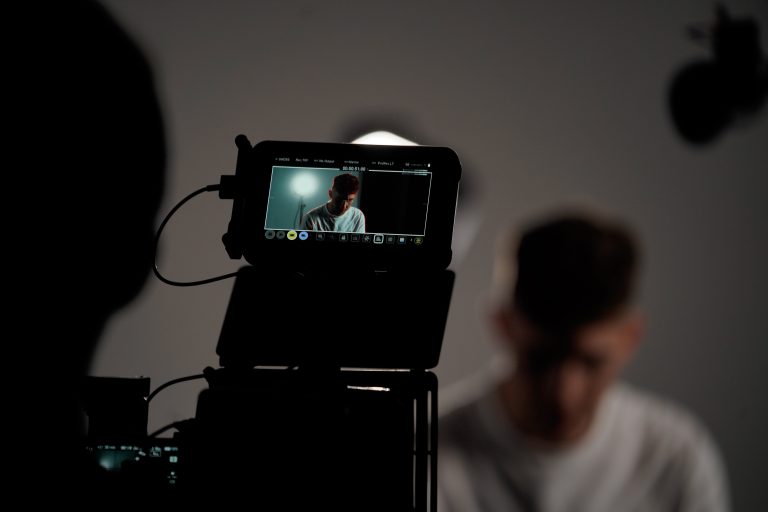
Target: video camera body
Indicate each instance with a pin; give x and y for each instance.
(324, 396)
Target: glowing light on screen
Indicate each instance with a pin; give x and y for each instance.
(383, 138)
(304, 184)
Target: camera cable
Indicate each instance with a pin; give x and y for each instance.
(156, 270)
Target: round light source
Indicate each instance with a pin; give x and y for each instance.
(304, 184)
(383, 138)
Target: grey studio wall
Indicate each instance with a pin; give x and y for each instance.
(546, 103)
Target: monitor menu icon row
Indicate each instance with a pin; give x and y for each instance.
(365, 238)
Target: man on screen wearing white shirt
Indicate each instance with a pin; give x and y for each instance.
(338, 214)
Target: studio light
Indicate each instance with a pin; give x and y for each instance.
(302, 185)
(709, 95)
(468, 214)
(383, 138)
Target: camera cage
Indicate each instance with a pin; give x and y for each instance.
(358, 389)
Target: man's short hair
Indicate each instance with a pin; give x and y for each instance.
(573, 270)
(346, 184)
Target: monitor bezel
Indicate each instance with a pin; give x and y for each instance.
(434, 252)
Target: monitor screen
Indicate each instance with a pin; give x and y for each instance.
(327, 205)
(349, 201)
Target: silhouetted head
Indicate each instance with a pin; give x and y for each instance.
(84, 195)
(98, 171)
(567, 319)
(343, 193)
(87, 194)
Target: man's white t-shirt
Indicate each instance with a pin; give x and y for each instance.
(320, 219)
(640, 454)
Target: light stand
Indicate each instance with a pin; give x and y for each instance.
(300, 216)
(302, 185)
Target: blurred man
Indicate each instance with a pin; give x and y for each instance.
(557, 432)
(338, 214)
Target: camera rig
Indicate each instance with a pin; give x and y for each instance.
(324, 395)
